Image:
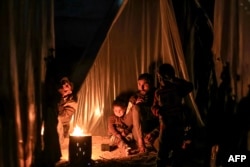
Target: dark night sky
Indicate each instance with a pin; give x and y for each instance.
(82, 24)
(76, 24)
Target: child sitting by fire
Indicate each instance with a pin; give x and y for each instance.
(66, 108)
(124, 127)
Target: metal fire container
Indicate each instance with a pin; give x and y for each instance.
(80, 150)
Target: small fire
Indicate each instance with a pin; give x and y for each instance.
(79, 132)
(42, 129)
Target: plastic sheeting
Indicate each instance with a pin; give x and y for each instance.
(231, 42)
(143, 35)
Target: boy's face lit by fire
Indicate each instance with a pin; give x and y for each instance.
(119, 111)
(65, 89)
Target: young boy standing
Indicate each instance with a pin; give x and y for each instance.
(168, 107)
(66, 108)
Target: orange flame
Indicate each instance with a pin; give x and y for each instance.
(79, 132)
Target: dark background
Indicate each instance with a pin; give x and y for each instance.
(81, 26)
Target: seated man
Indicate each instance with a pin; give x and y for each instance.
(124, 126)
(142, 101)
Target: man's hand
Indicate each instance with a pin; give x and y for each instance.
(119, 136)
(139, 100)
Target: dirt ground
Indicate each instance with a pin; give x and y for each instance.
(196, 156)
(119, 158)
(116, 157)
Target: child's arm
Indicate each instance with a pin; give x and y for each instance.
(184, 86)
(66, 111)
(111, 127)
(155, 106)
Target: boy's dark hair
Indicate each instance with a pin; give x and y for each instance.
(147, 77)
(119, 102)
(166, 71)
(63, 81)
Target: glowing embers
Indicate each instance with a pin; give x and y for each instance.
(80, 148)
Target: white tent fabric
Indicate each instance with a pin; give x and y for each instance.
(231, 42)
(143, 34)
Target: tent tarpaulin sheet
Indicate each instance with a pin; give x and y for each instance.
(142, 35)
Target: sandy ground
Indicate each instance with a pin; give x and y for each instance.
(117, 157)
(195, 157)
